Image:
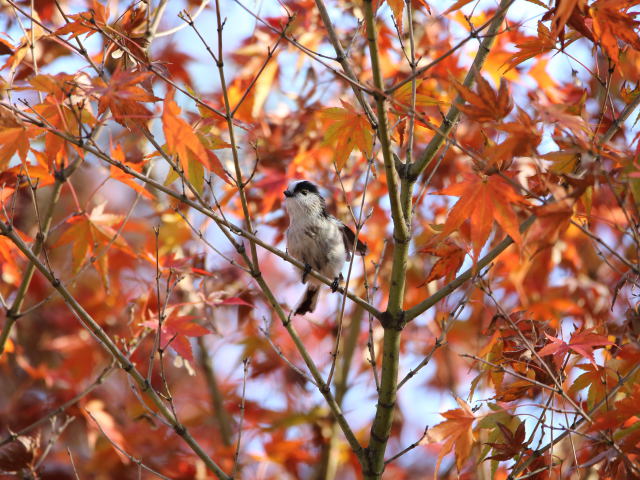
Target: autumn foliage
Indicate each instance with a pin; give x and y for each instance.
(488, 154)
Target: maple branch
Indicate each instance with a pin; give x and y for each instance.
(267, 334)
(56, 431)
(254, 80)
(453, 285)
(343, 59)
(200, 207)
(236, 455)
(153, 24)
(454, 112)
(400, 225)
(133, 459)
(599, 241)
(177, 28)
(374, 288)
(409, 448)
(440, 342)
(618, 122)
(392, 320)
(414, 84)
(73, 465)
(503, 369)
(13, 313)
(240, 184)
(92, 326)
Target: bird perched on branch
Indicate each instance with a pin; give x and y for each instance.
(317, 239)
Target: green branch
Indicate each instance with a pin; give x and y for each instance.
(453, 285)
(400, 200)
(342, 59)
(401, 230)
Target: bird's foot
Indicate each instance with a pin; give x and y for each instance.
(305, 272)
(335, 284)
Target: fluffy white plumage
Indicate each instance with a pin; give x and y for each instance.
(316, 238)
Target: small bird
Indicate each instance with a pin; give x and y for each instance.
(319, 240)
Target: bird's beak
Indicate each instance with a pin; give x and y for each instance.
(288, 194)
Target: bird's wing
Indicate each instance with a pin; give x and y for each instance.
(348, 237)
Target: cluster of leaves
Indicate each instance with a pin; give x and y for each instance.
(141, 211)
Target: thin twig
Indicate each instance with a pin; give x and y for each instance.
(135, 460)
(177, 28)
(73, 465)
(409, 448)
(58, 410)
(245, 372)
(107, 343)
(440, 341)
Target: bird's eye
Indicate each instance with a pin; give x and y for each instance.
(304, 192)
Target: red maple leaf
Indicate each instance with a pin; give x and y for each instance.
(483, 200)
(582, 342)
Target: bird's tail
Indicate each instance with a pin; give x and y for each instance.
(307, 303)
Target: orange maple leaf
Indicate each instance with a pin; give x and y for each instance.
(86, 22)
(347, 129)
(483, 200)
(181, 139)
(397, 7)
(123, 97)
(89, 231)
(402, 97)
(14, 140)
(563, 11)
(533, 46)
(486, 105)
(596, 379)
(117, 174)
(9, 269)
(611, 22)
(451, 259)
(456, 431)
(456, 6)
(14, 137)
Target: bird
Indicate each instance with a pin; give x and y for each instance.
(317, 239)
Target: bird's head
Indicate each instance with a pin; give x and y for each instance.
(302, 198)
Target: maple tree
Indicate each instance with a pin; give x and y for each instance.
(488, 153)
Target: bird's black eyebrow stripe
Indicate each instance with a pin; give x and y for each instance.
(305, 185)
